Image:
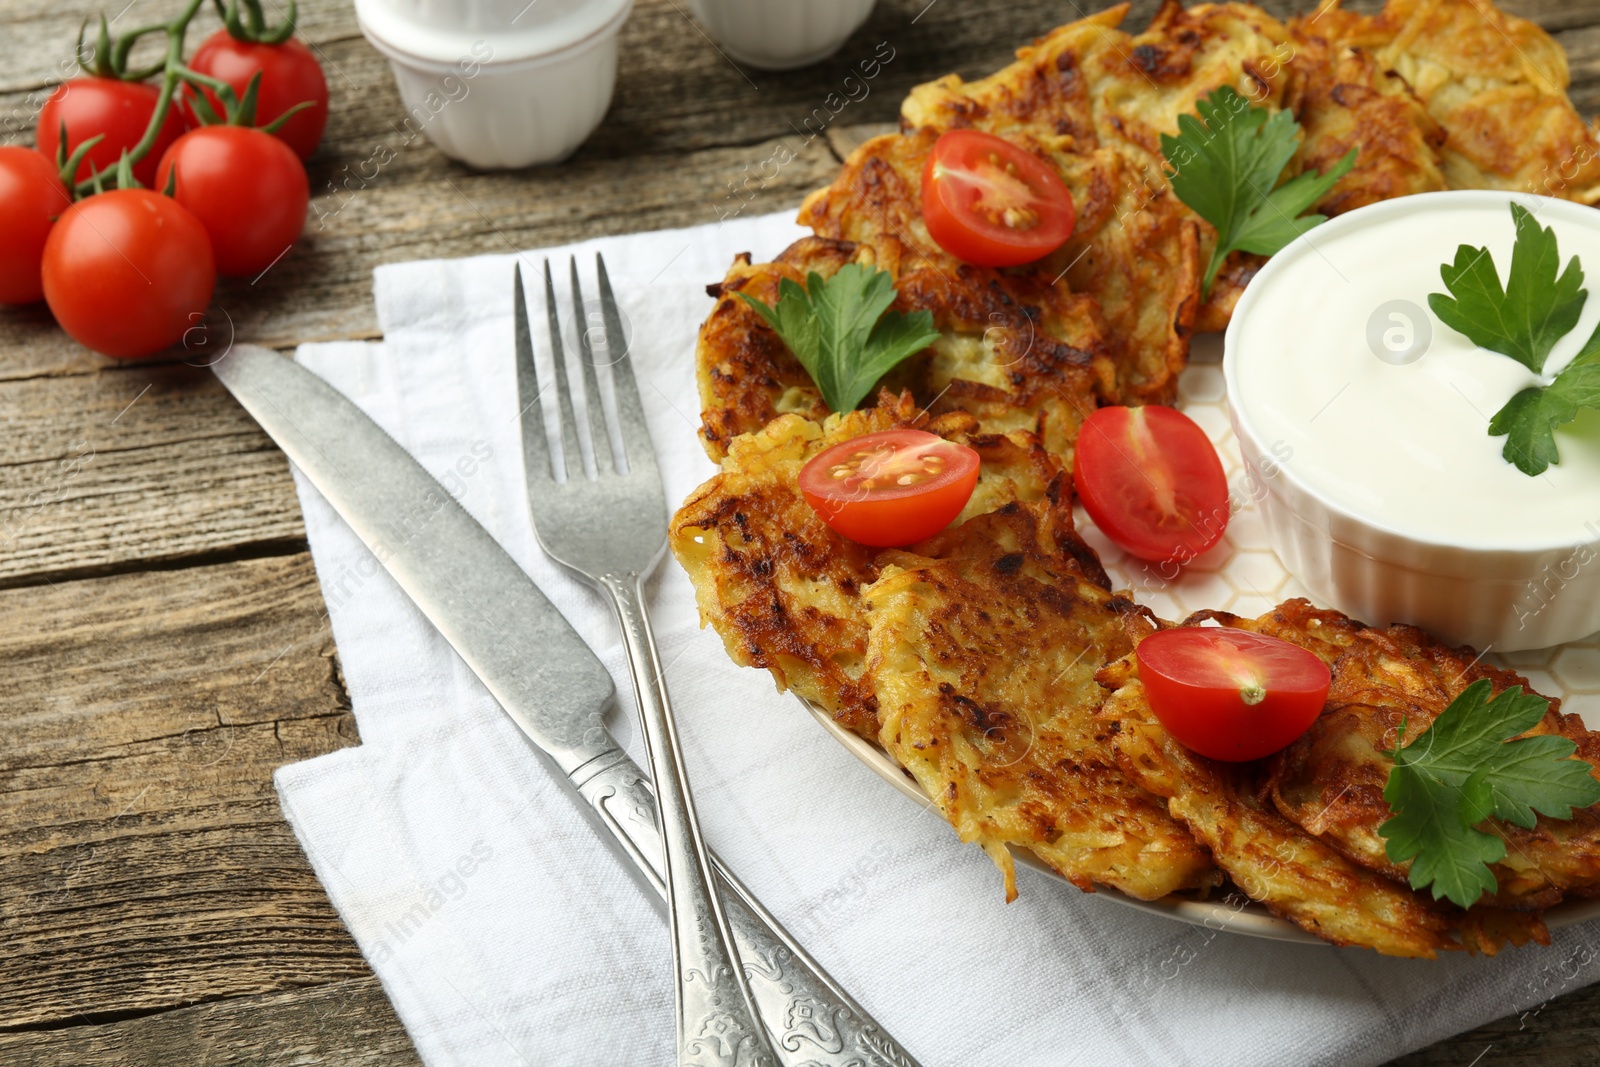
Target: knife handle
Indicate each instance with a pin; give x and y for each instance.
(811, 1020)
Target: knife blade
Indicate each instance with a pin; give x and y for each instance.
(538, 669)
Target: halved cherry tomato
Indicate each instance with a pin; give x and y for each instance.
(31, 196)
(1151, 480)
(119, 110)
(892, 487)
(1231, 694)
(290, 74)
(993, 203)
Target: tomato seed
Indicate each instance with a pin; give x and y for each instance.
(1019, 218)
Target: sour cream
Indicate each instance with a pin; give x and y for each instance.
(1364, 418)
(1381, 408)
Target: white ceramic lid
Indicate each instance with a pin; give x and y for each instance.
(448, 31)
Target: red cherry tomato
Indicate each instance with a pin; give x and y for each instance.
(289, 74)
(120, 110)
(248, 190)
(1152, 482)
(993, 203)
(893, 487)
(31, 196)
(1231, 694)
(127, 272)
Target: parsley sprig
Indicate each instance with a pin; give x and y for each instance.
(1524, 319)
(1467, 768)
(838, 330)
(1529, 419)
(1535, 309)
(1225, 166)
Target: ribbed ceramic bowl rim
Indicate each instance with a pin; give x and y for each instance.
(508, 66)
(1252, 919)
(1259, 289)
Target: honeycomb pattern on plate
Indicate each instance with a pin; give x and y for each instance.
(1241, 573)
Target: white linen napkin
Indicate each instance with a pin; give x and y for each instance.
(505, 934)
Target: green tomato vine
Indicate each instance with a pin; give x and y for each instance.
(108, 57)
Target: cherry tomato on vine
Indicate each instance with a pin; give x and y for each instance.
(1151, 481)
(31, 196)
(120, 110)
(993, 203)
(247, 188)
(127, 272)
(893, 487)
(1231, 694)
(289, 74)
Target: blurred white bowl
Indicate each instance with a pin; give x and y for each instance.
(500, 83)
(1381, 489)
(781, 34)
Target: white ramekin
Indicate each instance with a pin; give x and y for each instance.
(500, 83)
(1506, 598)
(781, 34)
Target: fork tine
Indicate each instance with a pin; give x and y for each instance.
(535, 446)
(571, 450)
(638, 451)
(599, 436)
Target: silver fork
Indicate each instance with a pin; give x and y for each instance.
(611, 531)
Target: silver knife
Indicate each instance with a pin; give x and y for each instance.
(542, 674)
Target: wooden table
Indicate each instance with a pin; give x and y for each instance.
(162, 633)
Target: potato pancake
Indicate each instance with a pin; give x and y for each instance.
(1095, 99)
(984, 646)
(782, 589)
(1277, 864)
(1013, 351)
(1330, 782)
(1496, 84)
(1345, 98)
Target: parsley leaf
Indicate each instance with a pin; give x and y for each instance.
(1225, 170)
(1446, 852)
(1534, 310)
(1466, 768)
(1529, 419)
(837, 329)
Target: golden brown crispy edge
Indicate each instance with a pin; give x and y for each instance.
(984, 646)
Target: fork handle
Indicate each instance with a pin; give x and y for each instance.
(810, 1019)
(717, 1022)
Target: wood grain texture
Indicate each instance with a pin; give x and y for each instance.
(163, 632)
(143, 860)
(134, 466)
(347, 1024)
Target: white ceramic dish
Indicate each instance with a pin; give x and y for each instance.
(781, 34)
(491, 91)
(1369, 547)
